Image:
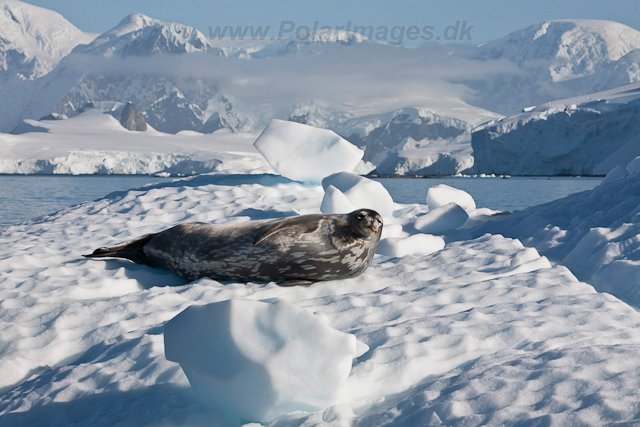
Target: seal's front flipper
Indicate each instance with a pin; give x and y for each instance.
(295, 282)
(287, 230)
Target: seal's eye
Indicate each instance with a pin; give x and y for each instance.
(361, 215)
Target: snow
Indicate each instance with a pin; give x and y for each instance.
(633, 168)
(416, 121)
(594, 233)
(442, 218)
(557, 59)
(140, 35)
(524, 318)
(363, 193)
(586, 135)
(442, 194)
(615, 174)
(310, 44)
(255, 355)
(34, 40)
(95, 142)
(483, 331)
(305, 153)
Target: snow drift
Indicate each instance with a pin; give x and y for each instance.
(595, 233)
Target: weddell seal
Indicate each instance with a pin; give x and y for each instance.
(292, 251)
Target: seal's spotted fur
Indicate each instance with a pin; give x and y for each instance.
(295, 250)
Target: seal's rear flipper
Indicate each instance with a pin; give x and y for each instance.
(131, 249)
(295, 282)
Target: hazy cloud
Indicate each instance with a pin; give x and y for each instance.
(365, 75)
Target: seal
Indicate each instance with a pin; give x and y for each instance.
(291, 251)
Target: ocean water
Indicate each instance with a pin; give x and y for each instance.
(24, 197)
(513, 194)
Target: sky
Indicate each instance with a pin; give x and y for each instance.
(485, 20)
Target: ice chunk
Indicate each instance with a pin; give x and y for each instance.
(362, 192)
(442, 194)
(305, 153)
(614, 174)
(634, 166)
(418, 244)
(393, 230)
(447, 217)
(335, 202)
(259, 360)
(479, 216)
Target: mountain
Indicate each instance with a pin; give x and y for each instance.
(411, 109)
(555, 60)
(33, 40)
(412, 141)
(313, 43)
(78, 80)
(587, 135)
(139, 35)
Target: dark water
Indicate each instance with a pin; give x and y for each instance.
(23, 197)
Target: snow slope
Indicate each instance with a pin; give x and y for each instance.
(484, 331)
(94, 142)
(587, 135)
(33, 40)
(595, 233)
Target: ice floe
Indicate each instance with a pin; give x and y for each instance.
(483, 331)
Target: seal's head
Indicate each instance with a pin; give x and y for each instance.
(366, 223)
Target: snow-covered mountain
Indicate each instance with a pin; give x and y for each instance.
(33, 39)
(139, 35)
(409, 116)
(411, 141)
(587, 135)
(554, 60)
(313, 43)
(78, 80)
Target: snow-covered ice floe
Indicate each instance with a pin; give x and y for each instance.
(483, 331)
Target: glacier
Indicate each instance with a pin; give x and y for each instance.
(586, 135)
(94, 142)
